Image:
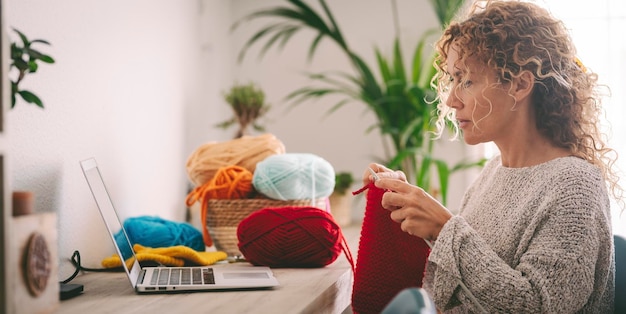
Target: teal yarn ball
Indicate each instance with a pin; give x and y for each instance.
(294, 176)
(152, 231)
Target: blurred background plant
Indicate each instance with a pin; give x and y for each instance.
(24, 58)
(248, 104)
(401, 97)
(340, 200)
(343, 181)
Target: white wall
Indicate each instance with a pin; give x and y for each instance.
(138, 86)
(597, 32)
(122, 90)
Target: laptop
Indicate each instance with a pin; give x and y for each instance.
(164, 279)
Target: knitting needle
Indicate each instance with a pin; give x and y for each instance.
(374, 175)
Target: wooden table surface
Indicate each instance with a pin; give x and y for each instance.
(302, 290)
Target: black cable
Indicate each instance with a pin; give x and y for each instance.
(75, 259)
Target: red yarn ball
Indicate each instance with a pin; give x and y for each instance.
(301, 237)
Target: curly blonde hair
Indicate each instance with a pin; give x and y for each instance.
(510, 37)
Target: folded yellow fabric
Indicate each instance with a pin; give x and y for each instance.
(168, 256)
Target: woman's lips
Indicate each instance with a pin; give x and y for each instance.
(464, 123)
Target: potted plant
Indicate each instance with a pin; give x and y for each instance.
(401, 97)
(340, 200)
(248, 104)
(24, 58)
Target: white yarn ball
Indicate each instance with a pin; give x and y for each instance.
(294, 176)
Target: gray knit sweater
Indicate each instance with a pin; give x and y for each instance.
(528, 240)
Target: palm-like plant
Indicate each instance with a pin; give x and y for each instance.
(402, 98)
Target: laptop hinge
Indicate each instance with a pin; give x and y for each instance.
(142, 274)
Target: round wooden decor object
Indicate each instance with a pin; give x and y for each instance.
(37, 264)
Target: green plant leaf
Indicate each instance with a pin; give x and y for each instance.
(32, 66)
(312, 18)
(13, 92)
(396, 161)
(337, 34)
(36, 55)
(398, 64)
(369, 83)
(423, 175)
(47, 59)
(446, 9)
(226, 124)
(45, 42)
(444, 175)
(294, 20)
(409, 131)
(20, 64)
(385, 72)
(463, 165)
(418, 75)
(30, 98)
(258, 128)
(257, 36)
(341, 85)
(16, 52)
(284, 34)
(23, 37)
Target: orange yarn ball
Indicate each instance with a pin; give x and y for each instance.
(229, 183)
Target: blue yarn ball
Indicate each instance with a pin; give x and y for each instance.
(152, 231)
(294, 176)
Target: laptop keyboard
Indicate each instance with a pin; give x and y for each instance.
(183, 276)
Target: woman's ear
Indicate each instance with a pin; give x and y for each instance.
(523, 85)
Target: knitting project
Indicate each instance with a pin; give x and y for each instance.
(388, 260)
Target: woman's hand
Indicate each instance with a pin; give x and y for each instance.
(418, 213)
(382, 172)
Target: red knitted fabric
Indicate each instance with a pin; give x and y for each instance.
(388, 259)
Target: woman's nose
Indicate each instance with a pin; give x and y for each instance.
(453, 100)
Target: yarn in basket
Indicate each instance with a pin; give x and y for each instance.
(293, 176)
(302, 237)
(230, 182)
(247, 151)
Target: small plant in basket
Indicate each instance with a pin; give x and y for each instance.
(343, 181)
(248, 104)
(341, 200)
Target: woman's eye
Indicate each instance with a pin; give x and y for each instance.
(464, 83)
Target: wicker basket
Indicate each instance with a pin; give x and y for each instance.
(223, 217)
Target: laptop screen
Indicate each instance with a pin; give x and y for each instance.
(111, 219)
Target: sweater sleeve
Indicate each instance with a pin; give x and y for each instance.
(555, 267)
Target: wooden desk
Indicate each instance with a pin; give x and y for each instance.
(316, 290)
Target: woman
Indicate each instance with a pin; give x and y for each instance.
(533, 233)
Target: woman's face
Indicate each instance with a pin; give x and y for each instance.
(483, 107)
